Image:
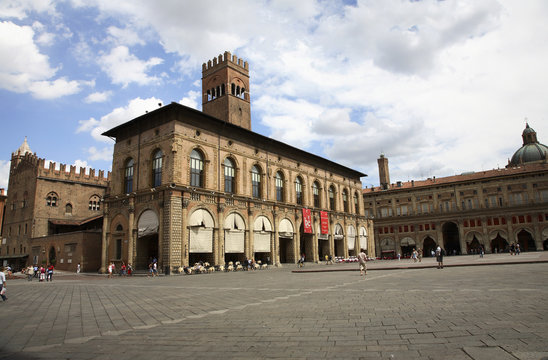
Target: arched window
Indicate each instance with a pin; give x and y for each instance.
(196, 168)
(218, 92)
(356, 203)
(68, 209)
(157, 168)
(51, 199)
(316, 193)
(222, 89)
(213, 94)
(230, 185)
(345, 200)
(256, 181)
(119, 227)
(238, 90)
(279, 186)
(209, 95)
(94, 203)
(128, 176)
(233, 92)
(331, 198)
(242, 93)
(299, 190)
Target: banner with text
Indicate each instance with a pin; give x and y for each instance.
(324, 222)
(307, 221)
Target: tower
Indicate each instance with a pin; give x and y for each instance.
(225, 90)
(384, 175)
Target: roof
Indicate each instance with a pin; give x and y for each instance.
(185, 114)
(480, 175)
(74, 222)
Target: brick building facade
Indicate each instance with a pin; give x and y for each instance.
(192, 186)
(47, 209)
(490, 209)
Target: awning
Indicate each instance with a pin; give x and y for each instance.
(234, 222)
(286, 229)
(262, 224)
(20, 256)
(201, 217)
(148, 223)
(363, 238)
(351, 237)
(73, 221)
(339, 234)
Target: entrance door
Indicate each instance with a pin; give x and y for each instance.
(526, 241)
(147, 240)
(451, 238)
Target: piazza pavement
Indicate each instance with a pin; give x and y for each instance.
(494, 307)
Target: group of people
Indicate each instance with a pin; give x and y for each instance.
(515, 249)
(41, 273)
(125, 270)
(416, 255)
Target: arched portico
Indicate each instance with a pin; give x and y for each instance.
(147, 240)
(351, 240)
(262, 244)
(429, 247)
(234, 246)
(525, 240)
(201, 225)
(286, 238)
(474, 242)
(407, 246)
(451, 238)
(339, 240)
(498, 241)
(388, 248)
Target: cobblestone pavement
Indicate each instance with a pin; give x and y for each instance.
(479, 312)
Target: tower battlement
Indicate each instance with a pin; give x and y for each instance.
(226, 59)
(52, 170)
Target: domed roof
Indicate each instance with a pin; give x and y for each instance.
(24, 148)
(531, 151)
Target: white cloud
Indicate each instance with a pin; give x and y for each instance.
(120, 115)
(100, 154)
(126, 36)
(4, 173)
(124, 68)
(24, 69)
(19, 9)
(98, 97)
(192, 99)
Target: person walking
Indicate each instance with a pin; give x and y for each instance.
(362, 258)
(439, 257)
(30, 273)
(78, 268)
(50, 273)
(42, 273)
(3, 284)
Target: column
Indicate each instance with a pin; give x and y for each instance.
(131, 231)
(104, 239)
(184, 230)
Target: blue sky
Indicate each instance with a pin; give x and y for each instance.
(439, 87)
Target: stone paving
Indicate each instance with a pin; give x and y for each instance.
(466, 312)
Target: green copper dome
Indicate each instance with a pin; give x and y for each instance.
(531, 151)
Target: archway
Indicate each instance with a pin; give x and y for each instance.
(351, 240)
(51, 257)
(388, 248)
(147, 240)
(234, 246)
(499, 244)
(323, 243)
(473, 243)
(451, 238)
(201, 225)
(285, 234)
(407, 245)
(429, 247)
(305, 244)
(262, 231)
(339, 241)
(526, 241)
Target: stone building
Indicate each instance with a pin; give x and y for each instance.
(491, 209)
(191, 186)
(3, 199)
(52, 215)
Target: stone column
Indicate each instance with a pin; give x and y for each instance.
(131, 231)
(297, 241)
(184, 230)
(104, 239)
(220, 238)
(462, 240)
(539, 243)
(510, 228)
(439, 233)
(172, 231)
(485, 232)
(315, 252)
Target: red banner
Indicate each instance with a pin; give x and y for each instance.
(324, 222)
(307, 221)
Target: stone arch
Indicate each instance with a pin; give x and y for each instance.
(286, 239)
(147, 242)
(499, 242)
(387, 247)
(407, 245)
(201, 224)
(525, 240)
(474, 242)
(451, 238)
(429, 246)
(262, 239)
(234, 235)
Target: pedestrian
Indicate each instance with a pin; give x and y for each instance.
(414, 255)
(155, 269)
(399, 256)
(481, 251)
(518, 250)
(36, 273)
(439, 257)
(78, 268)
(420, 254)
(123, 269)
(362, 258)
(42, 273)
(110, 269)
(50, 273)
(30, 273)
(3, 284)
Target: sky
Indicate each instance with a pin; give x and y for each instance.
(438, 87)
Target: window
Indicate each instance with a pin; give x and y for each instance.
(316, 192)
(51, 199)
(128, 176)
(94, 203)
(345, 200)
(299, 190)
(157, 168)
(68, 209)
(229, 176)
(356, 204)
(279, 186)
(256, 181)
(331, 194)
(196, 168)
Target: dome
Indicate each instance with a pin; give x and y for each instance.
(531, 151)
